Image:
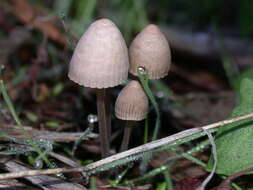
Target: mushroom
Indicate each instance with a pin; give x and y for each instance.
(100, 61)
(131, 105)
(150, 50)
(150, 58)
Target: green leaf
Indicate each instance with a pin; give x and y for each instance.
(31, 116)
(234, 141)
(246, 74)
(57, 89)
(161, 186)
(52, 124)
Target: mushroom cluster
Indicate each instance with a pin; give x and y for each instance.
(101, 61)
(149, 52)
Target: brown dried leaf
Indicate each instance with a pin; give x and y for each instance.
(28, 14)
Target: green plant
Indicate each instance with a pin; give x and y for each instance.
(42, 154)
(234, 146)
(91, 120)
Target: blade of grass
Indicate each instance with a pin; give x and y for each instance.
(168, 180)
(150, 174)
(19, 124)
(83, 136)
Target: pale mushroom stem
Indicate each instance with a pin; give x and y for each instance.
(104, 121)
(126, 137)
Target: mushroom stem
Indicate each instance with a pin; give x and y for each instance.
(104, 121)
(126, 137)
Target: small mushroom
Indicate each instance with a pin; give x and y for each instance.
(131, 105)
(150, 50)
(100, 61)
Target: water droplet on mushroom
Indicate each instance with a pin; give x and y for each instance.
(141, 70)
(92, 118)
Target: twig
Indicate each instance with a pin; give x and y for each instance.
(13, 131)
(43, 182)
(132, 154)
(64, 159)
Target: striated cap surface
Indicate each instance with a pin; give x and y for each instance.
(150, 50)
(100, 59)
(132, 103)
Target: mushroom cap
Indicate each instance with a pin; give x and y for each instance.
(100, 59)
(150, 49)
(132, 103)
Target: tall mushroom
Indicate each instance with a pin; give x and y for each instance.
(131, 105)
(150, 56)
(100, 61)
(150, 49)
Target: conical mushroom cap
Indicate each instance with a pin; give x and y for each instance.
(150, 50)
(132, 103)
(100, 59)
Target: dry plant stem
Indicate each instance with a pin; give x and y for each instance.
(126, 137)
(13, 130)
(125, 157)
(104, 121)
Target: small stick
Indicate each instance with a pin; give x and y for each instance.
(149, 147)
(13, 130)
